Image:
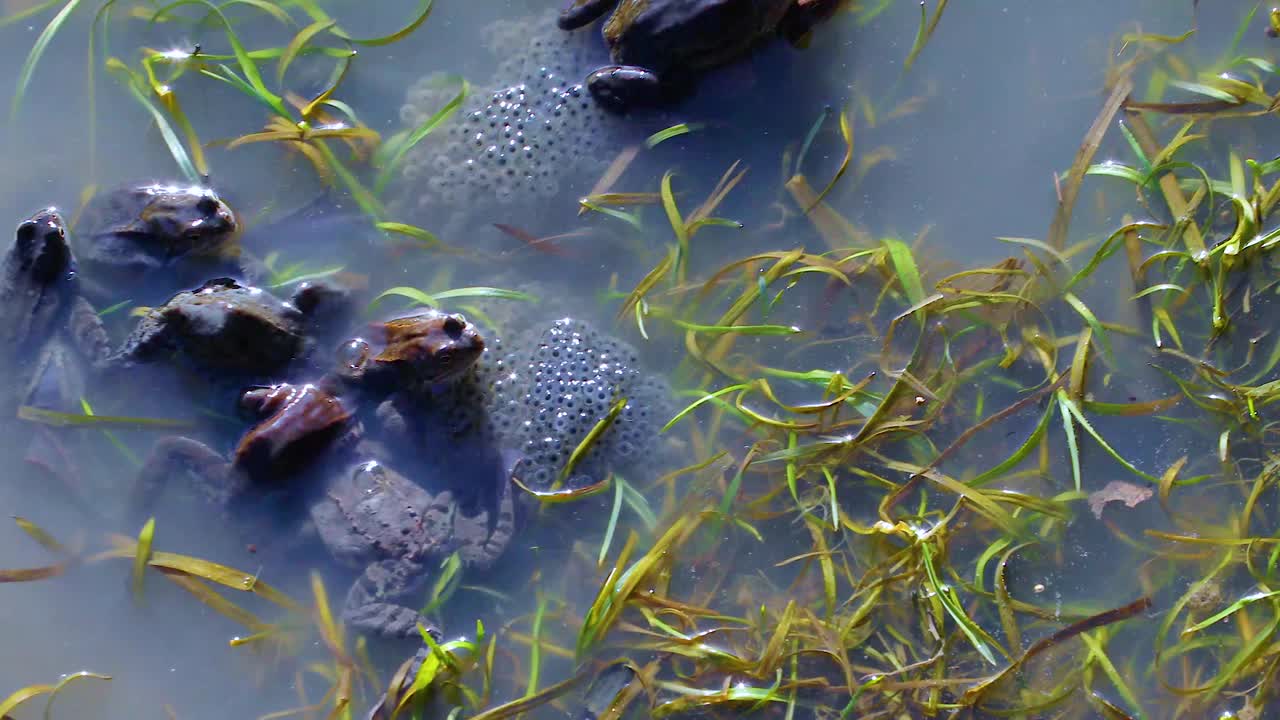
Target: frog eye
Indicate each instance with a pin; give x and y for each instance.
(454, 325)
(207, 205)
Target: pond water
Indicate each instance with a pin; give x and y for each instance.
(967, 148)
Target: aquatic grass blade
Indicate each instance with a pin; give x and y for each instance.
(390, 165)
(247, 65)
(171, 141)
(1073, 450)
(923, 33)
(398, 35)
(905, 269)
(614, 514)
(953, 607)
(1098, 330)
(486, 292)
(425, 237)
(445, 584)
(295, 46)
(535, 647)
(589, 441)
(846, 131)
(33, 57)
(672, 132)
(1068, 405)
(1228, 611)
(142, 556)
(55, 418)
(739, 329)
(704, 399)
(18, 697)
(1098, 653)
(41, 536)
(31, 11)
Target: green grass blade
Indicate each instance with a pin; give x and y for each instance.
(402, 33)
(412, 293)
(486, 292)
(142, 556)
(904, 266)
(37, 52)
(671, 132)
(613, 523)
(295, 46)
(417, 134)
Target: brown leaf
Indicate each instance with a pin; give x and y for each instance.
(1118, 491)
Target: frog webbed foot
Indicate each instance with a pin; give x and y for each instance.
(622, 88)
(479, 546)
(372, 605)
(580, 13)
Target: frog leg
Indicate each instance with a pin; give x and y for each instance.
(372, 605)
(583, 12)
(87, 332)
(184, 456)
(478, 546)
(149, 340)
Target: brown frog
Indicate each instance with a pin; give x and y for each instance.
(660, 46)
(424, 349)
(375, 519)
(224, 326)
(299, 426)
(136, 233)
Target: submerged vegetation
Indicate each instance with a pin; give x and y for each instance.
(906, 482)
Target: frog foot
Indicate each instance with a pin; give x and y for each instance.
(478, 545)
(583, 12)
(619, 88)
(372, 606)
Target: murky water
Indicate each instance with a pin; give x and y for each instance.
(1005, 93)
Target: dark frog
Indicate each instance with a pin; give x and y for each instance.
(49, 335)
(226, 327)
(155, 232)
(660, 46)
(374, 519)
(46, 328)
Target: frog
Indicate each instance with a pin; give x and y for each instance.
(299, 427)
(414, 352)
(51, 335)
(376, 520)
(224, 326)
(300, 422)
(46, 327)
(156, 233)
(660, 46)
